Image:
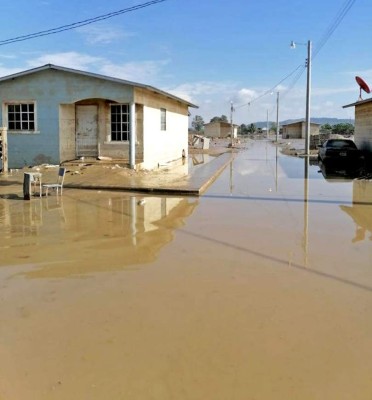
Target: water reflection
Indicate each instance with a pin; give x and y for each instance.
(341, 171)
(94, 232)
(361, 210)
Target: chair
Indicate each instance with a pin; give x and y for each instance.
(59, 184)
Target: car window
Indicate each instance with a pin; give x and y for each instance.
(341, 144)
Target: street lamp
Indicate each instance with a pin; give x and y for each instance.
(308, 93)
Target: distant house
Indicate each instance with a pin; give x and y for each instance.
(55, 114)
(297, 130)
(220, 129)
(363, 125)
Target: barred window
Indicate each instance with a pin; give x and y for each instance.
(21, 117)
(163, 119)
(120, 122)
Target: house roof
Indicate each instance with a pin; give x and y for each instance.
(300, 121)
(358, 103)
(98, 76)
(223, 123)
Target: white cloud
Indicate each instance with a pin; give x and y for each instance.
(68, 59)
(95, 34)
(5, 71)
(246, 95)
(141, 71)
(202, 91)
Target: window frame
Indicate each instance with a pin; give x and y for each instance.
(27, 125)
(163, 119)
(120, 122)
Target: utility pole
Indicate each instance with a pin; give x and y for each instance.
(308, 96)
(267, 124)
(232, 126)
(277, 116)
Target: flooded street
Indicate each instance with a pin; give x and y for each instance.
(259, 289)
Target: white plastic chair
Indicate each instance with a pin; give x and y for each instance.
(59, 184)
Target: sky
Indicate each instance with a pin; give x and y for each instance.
(211, 53)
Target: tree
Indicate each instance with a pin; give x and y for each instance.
(222, 118)
(252, 129)
(326, 128)
(344, 129)
(198, 123)
(243, 129)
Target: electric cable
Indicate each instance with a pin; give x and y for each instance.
(271, 89)
(78, 24)
(328, 33)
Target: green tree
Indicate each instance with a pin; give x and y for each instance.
(326, 128)
(251, 129)
(243, 129)
(345, 129)
(222, 118)
(198, 123)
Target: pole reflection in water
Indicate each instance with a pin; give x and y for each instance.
(306, 210)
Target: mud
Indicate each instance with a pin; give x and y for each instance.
(261, 288)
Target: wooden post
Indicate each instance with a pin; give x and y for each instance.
(26, 186)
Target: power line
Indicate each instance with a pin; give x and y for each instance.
(78, 24)
(328, 33)
(324, 39)
(271, 89)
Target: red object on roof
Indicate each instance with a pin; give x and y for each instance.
(362, 84)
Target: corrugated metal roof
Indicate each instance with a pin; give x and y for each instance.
(300, 121)
(98, 76)
(358, 103)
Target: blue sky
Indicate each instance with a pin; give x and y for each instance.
(208, 52)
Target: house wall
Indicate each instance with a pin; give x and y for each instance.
(293, 131)
(67, 129)
(220, 130)
(161, 147)
(212, 129)
(298, 130)
(363, 127)
(50, 89)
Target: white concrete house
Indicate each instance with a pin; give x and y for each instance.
(363, 125)
(55, 114)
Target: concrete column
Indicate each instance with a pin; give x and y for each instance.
(132, 136)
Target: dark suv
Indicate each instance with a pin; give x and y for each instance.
(339, 150)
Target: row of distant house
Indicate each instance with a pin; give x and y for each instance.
(297, 129)
(293, 130)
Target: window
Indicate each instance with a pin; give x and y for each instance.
(120, 125)
(21, 117)
(163, 119)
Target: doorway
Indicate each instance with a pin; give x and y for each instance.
(87, 131)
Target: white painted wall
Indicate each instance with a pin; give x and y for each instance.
(161, 147)
(363, 127)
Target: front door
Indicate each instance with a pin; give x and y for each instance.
(87, 131)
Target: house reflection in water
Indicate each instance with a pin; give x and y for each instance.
(95, 232)
(361, 210)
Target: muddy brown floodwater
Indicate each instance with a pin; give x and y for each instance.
(259, 289)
